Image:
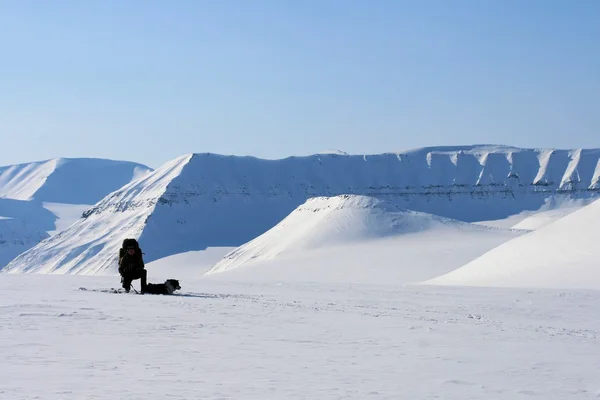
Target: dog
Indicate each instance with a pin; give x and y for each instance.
(170, 286)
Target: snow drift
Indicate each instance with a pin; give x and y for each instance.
(360, 238)
(207, 200)
(563, 254)
(67, 180)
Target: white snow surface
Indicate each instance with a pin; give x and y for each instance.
(67, 180)
(563, 254)
(225, 340)
(206, 200)
(91, 245)
(360, 239)
(16, 236)
(548, 213)
(66, 214)
(188, 264)
(45, 197)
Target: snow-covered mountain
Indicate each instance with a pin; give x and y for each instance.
(206, 200)
(562, 254)
(67, 180)
(39, 199)
(360, 239)
(17, 236)
(23, 224)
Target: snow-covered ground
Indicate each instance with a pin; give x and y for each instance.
(189, 264)
(242, 340)
(349, 296)
(563, 254)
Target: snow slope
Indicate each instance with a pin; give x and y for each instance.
(16, 236)
(353, 238)
(90, 245)
(222, 340)
(186, 265)
(67, 180)
(66, 214)
(548, 213)
(207, 200)
(45, 197)
(563, 254)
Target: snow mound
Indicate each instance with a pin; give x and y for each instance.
(67, 180)
(209, 200)
(564, 254)
(344, 229)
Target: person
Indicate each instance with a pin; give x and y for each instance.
(131, 265)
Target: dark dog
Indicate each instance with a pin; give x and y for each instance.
(170, 286)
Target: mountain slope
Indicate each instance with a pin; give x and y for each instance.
(360, 239)
(563, 254)
(42, 198)
(90, 246)
(67, 180)
(17, 236)
(207, 200)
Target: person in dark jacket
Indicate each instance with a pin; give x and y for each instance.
(131, 267)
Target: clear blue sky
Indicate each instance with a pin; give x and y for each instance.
(149, 80)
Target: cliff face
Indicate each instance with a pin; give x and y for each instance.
(203, 200)
(226, 201)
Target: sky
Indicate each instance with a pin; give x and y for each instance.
(150, 80)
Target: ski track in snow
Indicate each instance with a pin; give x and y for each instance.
(225, 340)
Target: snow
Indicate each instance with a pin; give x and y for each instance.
(188, 264)
(43, 198)
(30, 212)
(207, 200)
(360, 239)
(91, 245)
(531, 220)
(66, 214)
(322, 277)
(67, 180)
(563, 254)
(16, 236)
(225, 340)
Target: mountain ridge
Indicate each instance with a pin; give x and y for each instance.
(68, 180)
(202, 200)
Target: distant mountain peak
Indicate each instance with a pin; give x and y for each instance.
(67, 180)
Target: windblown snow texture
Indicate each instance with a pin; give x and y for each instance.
(207, 200)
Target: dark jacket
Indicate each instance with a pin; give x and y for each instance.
(130, 264)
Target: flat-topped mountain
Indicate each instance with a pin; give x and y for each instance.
(204, 200)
